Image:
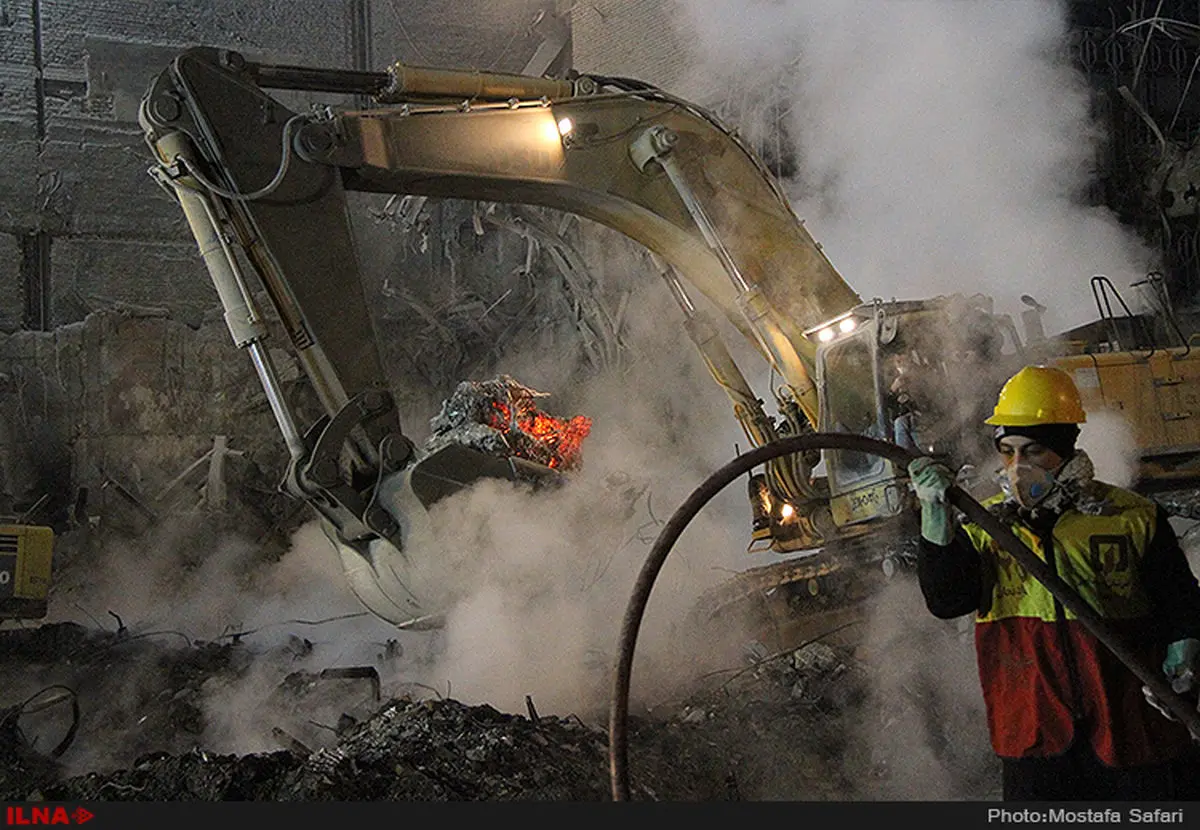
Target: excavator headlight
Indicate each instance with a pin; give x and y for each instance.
(825, 334)
(786, 511)
(848, 325)
(565, 126)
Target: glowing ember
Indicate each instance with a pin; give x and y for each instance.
(562, 439)
(501, 416)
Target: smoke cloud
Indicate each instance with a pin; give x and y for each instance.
(186, 583)
(941, 146)
(1110, 443)
(539, 581)
(937, 147)
(928, 741)
(543, 579)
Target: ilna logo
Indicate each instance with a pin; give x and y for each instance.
(46, 815)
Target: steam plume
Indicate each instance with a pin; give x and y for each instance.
(941, 146)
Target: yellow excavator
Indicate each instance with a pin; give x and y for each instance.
(1144, 368)
(264, 190)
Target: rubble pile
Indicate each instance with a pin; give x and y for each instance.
(135, 693)
(438, 750)
(406, 749)
(818, 723)
(798, 725)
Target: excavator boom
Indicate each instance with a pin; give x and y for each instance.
(265, 185)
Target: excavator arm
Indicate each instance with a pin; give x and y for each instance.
(264, 190)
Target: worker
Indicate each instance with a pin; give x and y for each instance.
(906, 370)
(1068, 719)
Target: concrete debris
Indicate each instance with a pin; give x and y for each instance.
(147, 706)
(1184, 504)
(825, 678)
(817, 657)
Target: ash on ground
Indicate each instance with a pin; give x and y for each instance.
(805, 725)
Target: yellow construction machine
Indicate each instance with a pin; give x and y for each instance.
(264, 190)
(1144, 368)
(25, 559)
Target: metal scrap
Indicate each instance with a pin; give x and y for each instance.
(47, 698)
(369, 673)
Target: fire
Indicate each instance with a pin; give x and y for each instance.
(556, 442)
(500, 417)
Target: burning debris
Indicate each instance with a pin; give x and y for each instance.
(501, 417)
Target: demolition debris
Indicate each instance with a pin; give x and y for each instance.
(501, 417)
(810, 725)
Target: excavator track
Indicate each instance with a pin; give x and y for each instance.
(788, 603)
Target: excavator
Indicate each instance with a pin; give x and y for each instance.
(264, 191)
(26, 551)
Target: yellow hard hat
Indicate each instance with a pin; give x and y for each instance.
(1038, 395)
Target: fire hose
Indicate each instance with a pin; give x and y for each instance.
(618, 742)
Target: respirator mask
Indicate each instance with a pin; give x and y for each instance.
(1027, 484)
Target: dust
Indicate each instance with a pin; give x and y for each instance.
(1109, 441)
(938, 146)
(543, 579)
(181, 575)
(927, 735)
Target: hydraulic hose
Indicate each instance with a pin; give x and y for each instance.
(618, 743)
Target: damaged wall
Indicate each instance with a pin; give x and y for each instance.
(101, 416)
(116, 358)
(639, 39)
(81, 224)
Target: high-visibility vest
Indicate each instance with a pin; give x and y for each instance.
(1044, 674)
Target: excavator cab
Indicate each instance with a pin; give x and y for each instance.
(850, 376)
(918, 373)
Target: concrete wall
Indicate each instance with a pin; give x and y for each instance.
(75, 165)
(632, 38)
(72, 157)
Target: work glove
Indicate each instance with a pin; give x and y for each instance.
(1180, 667)
(931, 479)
